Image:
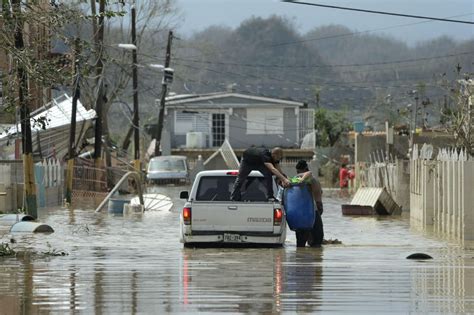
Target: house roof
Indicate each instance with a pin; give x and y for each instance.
(227, 100)
(55, 114)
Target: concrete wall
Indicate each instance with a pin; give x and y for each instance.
(441, 196)
(365, 145)
(239, 139)
(49, 185)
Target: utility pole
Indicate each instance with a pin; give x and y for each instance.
(136, 119)
(72, 131)
(424, 114)
(164, 90)
(126, 141)
(27, 144)
(416, 110)
(99, 41)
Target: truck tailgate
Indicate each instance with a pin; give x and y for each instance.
(235, 216)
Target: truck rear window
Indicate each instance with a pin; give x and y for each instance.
(218, 188)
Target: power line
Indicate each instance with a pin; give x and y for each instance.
(378, 12)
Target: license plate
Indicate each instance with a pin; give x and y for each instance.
(233, 238)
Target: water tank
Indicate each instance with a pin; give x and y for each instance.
(299, 207)
(359, 126)
(195, 140)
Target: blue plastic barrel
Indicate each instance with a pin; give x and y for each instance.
(116, 203)
(299, 207)
(359, 126)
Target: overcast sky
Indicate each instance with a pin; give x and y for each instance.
(199, 14)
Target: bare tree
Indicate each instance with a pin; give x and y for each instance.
(459, 118)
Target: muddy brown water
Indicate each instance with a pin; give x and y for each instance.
(137, 265)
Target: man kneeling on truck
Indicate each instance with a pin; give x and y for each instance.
(315, 236)
(259, 159)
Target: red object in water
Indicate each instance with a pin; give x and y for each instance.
(344, 176)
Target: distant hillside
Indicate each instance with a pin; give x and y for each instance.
(330, 66)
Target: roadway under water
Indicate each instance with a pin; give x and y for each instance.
(137, 265)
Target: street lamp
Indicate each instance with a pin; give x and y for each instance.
(167, 79)
(127, 46)
(156, 66)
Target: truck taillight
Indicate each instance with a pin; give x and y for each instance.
(187, 215)
(277, 216)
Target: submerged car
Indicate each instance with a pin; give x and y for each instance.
(170, 169)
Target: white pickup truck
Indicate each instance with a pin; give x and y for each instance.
(209, 216)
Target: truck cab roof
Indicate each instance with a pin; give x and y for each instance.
(226, 173)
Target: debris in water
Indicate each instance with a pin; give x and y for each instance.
(332, 242)
(419, 256)
(54, 252)
(6, 250)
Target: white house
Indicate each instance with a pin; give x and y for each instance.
(204, 121)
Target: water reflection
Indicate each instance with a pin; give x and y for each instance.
(302, 275)
(232, 280)
(445, 287)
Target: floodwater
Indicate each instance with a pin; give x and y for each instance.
(137, 265)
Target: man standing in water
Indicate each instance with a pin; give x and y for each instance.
(315, 236)
(260, 159)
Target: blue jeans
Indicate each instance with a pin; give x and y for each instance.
(244, 171)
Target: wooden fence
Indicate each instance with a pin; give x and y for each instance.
(89, 184)
(441, 193)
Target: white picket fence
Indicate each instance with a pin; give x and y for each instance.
(53, 173)
(442, 193)
(49, 178)
(382, 175)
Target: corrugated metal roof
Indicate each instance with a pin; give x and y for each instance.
(366, 196)
(57, 114)
(377, 198)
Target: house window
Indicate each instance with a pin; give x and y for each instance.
(187, 122)
(264, 121)
(218, 129)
